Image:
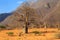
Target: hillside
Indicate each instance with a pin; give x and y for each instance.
(45, 11)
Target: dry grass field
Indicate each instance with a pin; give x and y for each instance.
(34, 34)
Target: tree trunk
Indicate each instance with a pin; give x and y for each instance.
(26, 28)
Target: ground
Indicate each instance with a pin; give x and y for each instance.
(49, 35)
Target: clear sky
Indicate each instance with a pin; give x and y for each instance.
(9, 5)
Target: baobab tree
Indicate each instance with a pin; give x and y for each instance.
(29, 13)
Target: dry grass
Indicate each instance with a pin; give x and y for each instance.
(49, 35)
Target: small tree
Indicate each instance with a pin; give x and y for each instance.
(57, 25)
(45, 26)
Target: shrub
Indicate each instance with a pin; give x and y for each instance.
(2, 27)
(57, 35)
(37, 33)
(10, 34)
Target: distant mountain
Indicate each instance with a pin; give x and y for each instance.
(3, 16)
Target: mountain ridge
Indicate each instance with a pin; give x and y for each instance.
(37, 12)
(3, 16)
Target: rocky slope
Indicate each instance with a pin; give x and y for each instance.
(40, 11)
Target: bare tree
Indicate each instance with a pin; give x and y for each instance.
(28, 11)
(58, 26)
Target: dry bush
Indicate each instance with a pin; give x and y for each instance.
(10, 33)
(37, 32)
(57, 35)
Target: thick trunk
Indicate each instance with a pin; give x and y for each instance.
(26, 28)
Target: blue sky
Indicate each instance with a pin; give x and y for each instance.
(9, 5)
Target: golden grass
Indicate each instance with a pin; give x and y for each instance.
(49, 35)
